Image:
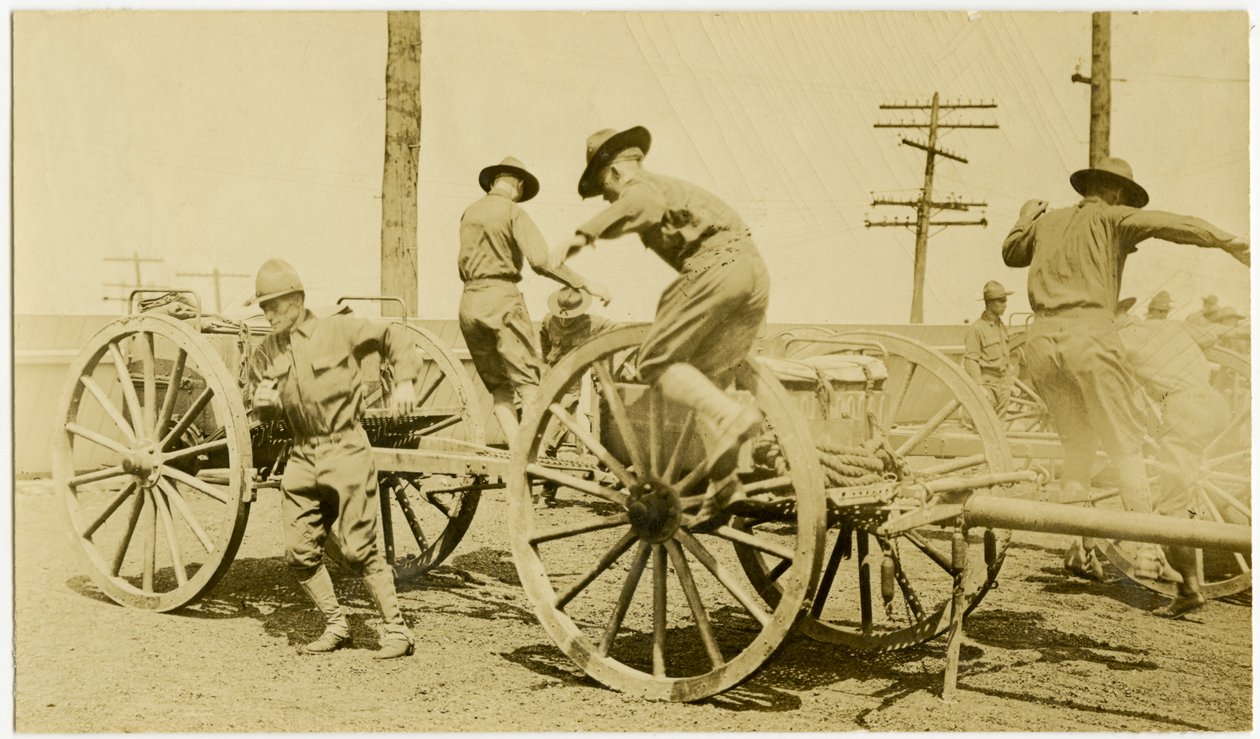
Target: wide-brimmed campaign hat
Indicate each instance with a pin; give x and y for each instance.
(512, 166)
(1161, 301)
(602, 147)
(276, 278)
(993, 290)
(568, 303)
(1113, 172)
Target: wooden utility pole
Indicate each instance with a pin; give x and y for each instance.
(399, 206)
(1099, 81)
(924, 205)
(136, 260)
(217, 277)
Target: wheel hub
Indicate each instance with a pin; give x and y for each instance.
(144, 463)
(654, 511)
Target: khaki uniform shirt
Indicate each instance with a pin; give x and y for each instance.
(317, 367)
(497, 237)
(986, 344)
(1076, 255)
(674, 219)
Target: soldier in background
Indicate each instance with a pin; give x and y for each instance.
(568, 324)
(1076, 360)
(988, 353)
(496, 238)
(1159, 306)
(1203, 317)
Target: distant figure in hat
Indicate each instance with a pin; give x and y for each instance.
(307, 372)
(1160, 305)
(988, 353)
(496, 237)
(1204, 316)
(1076, 257)
(707, 319)
(569, 324)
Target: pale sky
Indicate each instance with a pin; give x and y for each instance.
(216, 140)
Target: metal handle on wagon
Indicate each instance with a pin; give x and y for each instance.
(131, 298)
(379, 299)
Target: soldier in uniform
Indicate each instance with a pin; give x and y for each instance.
(568, 324)
(707, 319)
(988, 354)
(496, 237)
(307, 372)
(1159, 306)
(1203, 317)
(1076, 257)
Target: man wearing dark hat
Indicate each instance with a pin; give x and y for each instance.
(1160, 306)
(568, 323)
(1203, 317)
(1076, 257)
(496, 237)
(988, 353)
(307, 372)
(707, 319)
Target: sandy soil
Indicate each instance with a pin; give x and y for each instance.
(1042, 652)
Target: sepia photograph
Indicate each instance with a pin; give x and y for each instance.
(631, 371)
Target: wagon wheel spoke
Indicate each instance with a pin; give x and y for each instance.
(209, 446)
(1230, 428)
(593, 445)
(766, 486)
(692, 593)
(149, 543)
(723, 576)
(737, 536)
(168, 526)
(941, 560)
(172, 392)
(829, 574)
(675, 456)
(187, 418)
(445, 423)
(1229, 478)
(580, 527)
(128, 389)
(177, 501)
(1233, 456)
(621, 418)
(576, 483)
(1216, 514)
(603, 564)
(109, 509)
(628, 588)
(430, 389)
(409, 515)
(660, 616)
(98, 439)
(929, 427)
(655, 431)
(110, 409)
(149, 368)
(953, 465)
(896, 399)
(198, 485)
(104, 473)
(1233, 502)
(123, 543)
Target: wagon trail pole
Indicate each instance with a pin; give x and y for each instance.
(923, 205)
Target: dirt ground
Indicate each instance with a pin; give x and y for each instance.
(1042, 653)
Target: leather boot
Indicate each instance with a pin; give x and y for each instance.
(1189, 591)
(398, 641)
(721, 494)
(722, 422)
(336, 629)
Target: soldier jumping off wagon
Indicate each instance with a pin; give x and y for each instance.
(1076, 256)
(707, 319)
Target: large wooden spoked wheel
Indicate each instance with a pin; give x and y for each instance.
(424, 517)
(1224, 490)
(882, 593)
(148, 411)
(638, 597)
